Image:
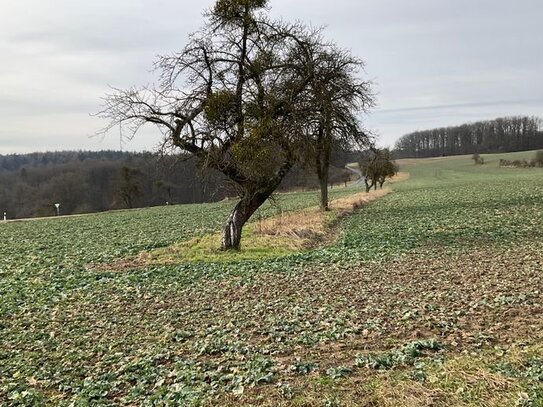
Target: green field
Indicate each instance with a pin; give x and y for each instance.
(432, 295)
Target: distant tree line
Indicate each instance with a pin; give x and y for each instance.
(508, 134)
(82, 181)
(86, 181)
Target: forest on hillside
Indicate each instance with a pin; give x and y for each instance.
(86, 181)
(508, 134)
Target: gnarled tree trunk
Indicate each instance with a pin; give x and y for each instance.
(252, 199)
(245, 208)
(369, 185)
(323, 180)
(322, 173)
(323, 164)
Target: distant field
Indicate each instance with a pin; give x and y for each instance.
(432, 295)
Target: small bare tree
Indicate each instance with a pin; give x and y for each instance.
(337, 98)
(376, 166)
(478, 159)
(129, 186)
(387, 167)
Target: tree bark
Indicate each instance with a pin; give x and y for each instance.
(323, 164)
(323, 180)
(242, 212)
(369, 186)
(252, 199)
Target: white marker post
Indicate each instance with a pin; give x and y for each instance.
(5, 216)
(57, 205)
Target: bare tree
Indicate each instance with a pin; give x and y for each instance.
(337, 98)
(387, 167)
(368, 166)
(477, 159)
(129, 187)
(376, 166)
(234, 98)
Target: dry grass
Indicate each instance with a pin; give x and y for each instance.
(461, 381)
(312, 225)
(400, 177)
(277, 236)
(455, 385)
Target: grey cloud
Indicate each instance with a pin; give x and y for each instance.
(528, 102)
(434, 62)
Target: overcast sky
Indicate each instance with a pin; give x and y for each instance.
(434, 62)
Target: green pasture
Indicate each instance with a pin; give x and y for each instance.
(73, 333)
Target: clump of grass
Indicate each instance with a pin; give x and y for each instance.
(405, 356)
(274, 237)
(207, 249)
(531, 369)
(312, 224)
(307, 224)
(338, 372)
